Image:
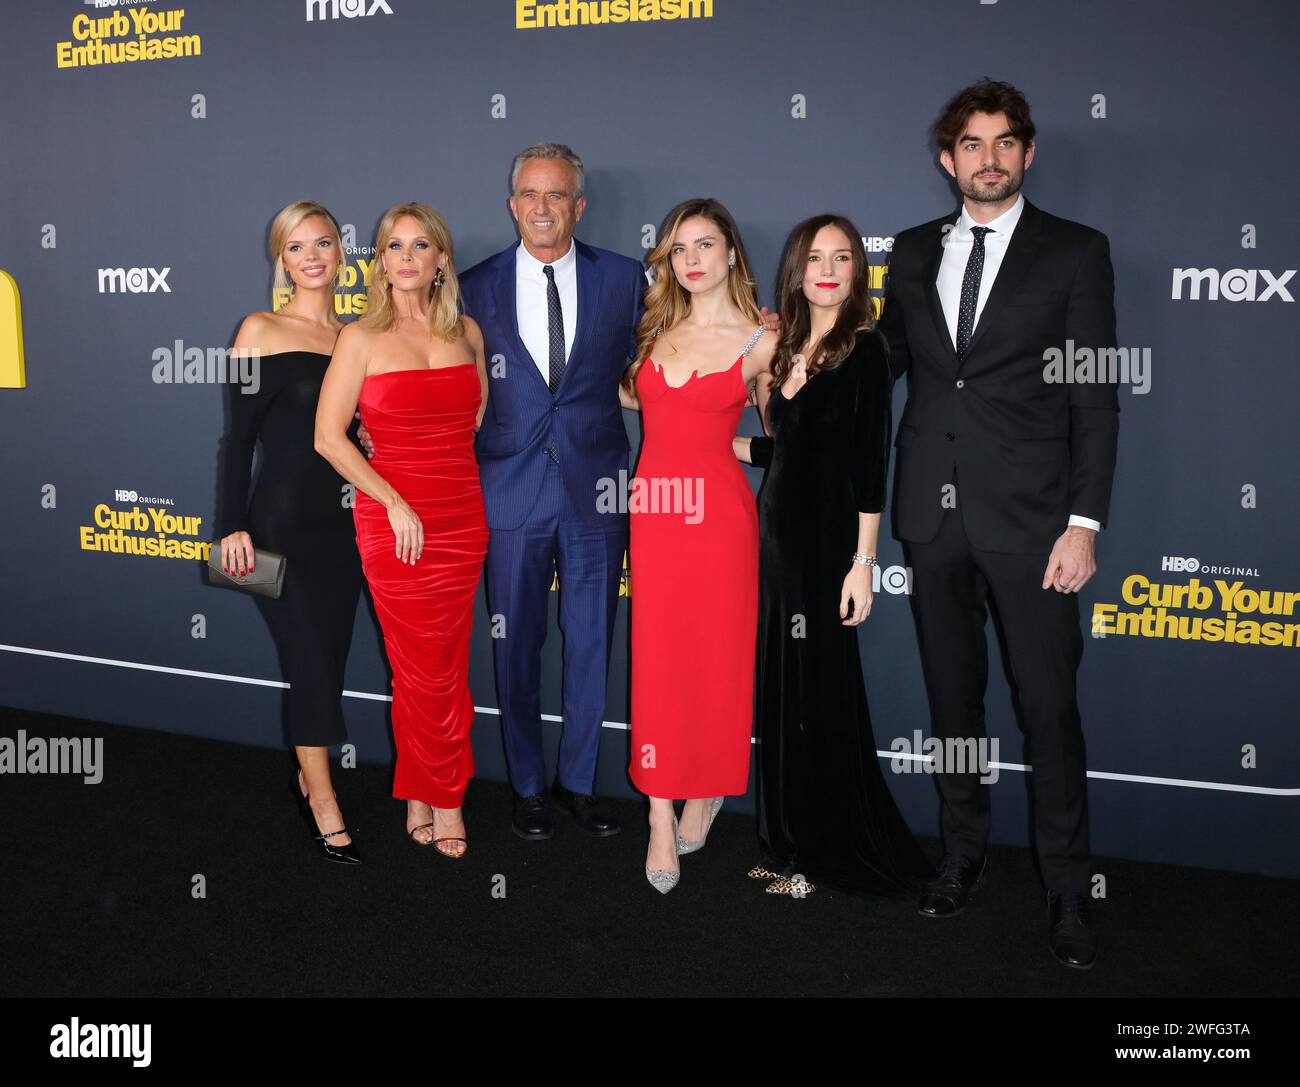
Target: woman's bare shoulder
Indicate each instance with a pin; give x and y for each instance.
(764, 349)
(254, 330)
(354, 333)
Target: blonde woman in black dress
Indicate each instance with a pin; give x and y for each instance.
(296, 508)
(825, 814)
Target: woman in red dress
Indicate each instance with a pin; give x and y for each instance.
(694, 531)
(415, 367)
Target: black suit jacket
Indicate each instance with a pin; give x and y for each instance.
(1026, 452)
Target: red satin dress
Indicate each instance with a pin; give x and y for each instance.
(693, 565)
(422, 425)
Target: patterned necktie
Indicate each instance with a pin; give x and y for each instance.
(555, 322)
(970, 291)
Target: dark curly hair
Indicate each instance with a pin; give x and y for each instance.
(987, 96)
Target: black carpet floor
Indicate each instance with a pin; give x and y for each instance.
(97, 901)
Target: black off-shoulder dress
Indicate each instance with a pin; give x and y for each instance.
(824, 809)
(296, 508)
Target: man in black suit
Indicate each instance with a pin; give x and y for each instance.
(1003, 481)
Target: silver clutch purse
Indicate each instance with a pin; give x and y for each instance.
(266, 578)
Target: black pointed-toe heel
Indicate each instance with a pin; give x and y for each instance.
(339, 854)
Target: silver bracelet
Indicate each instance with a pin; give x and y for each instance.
(865, 560)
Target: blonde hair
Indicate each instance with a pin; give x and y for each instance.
(285, 223)
(666, 301)
(443, 303)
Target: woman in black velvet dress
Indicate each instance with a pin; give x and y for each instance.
(825, 814)
(296, 507)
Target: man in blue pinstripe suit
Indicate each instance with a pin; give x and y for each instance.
(558, 320)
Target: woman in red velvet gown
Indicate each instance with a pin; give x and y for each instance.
(693, 558)
(415, 368)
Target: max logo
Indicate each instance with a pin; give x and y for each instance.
(133, 280)
(1234, 285)
(346, 9)
(12, 374)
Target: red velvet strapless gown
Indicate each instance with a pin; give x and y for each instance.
(422, 424)
(694, 578)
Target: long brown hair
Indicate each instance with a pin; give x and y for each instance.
(796, 314)
(667, 301)
(443, 303)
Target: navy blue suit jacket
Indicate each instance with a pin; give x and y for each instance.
(583, 418)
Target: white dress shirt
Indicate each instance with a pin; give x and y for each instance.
(952, 269)
(531, 311)
(957, 251)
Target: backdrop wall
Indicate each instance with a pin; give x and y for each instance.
(147, 146)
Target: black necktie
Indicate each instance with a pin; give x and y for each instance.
(970, 291)
(555, 322)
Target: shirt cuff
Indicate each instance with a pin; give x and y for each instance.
(1084, 522)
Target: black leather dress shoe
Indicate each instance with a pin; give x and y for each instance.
(589, 813)
(532, 819)
(1070, 934)
(946, 895)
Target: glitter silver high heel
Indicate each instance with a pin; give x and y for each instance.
(664, 880)
(683, 846)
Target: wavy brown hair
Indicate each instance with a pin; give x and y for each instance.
(988, 96)
(666, 300)
(443, 303)
(796, 314)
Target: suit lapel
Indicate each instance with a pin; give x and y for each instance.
(506, 317)
(590, 288)
(1019, 257)
(932, 293)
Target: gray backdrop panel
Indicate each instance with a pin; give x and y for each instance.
(781, 110)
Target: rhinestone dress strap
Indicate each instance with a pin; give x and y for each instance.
(758, 333)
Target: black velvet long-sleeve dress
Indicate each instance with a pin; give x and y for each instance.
(296, 509)
(824, 809)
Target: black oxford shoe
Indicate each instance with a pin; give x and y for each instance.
(1070, 934)
(589, 813)
(532, 820)
(946, 895)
